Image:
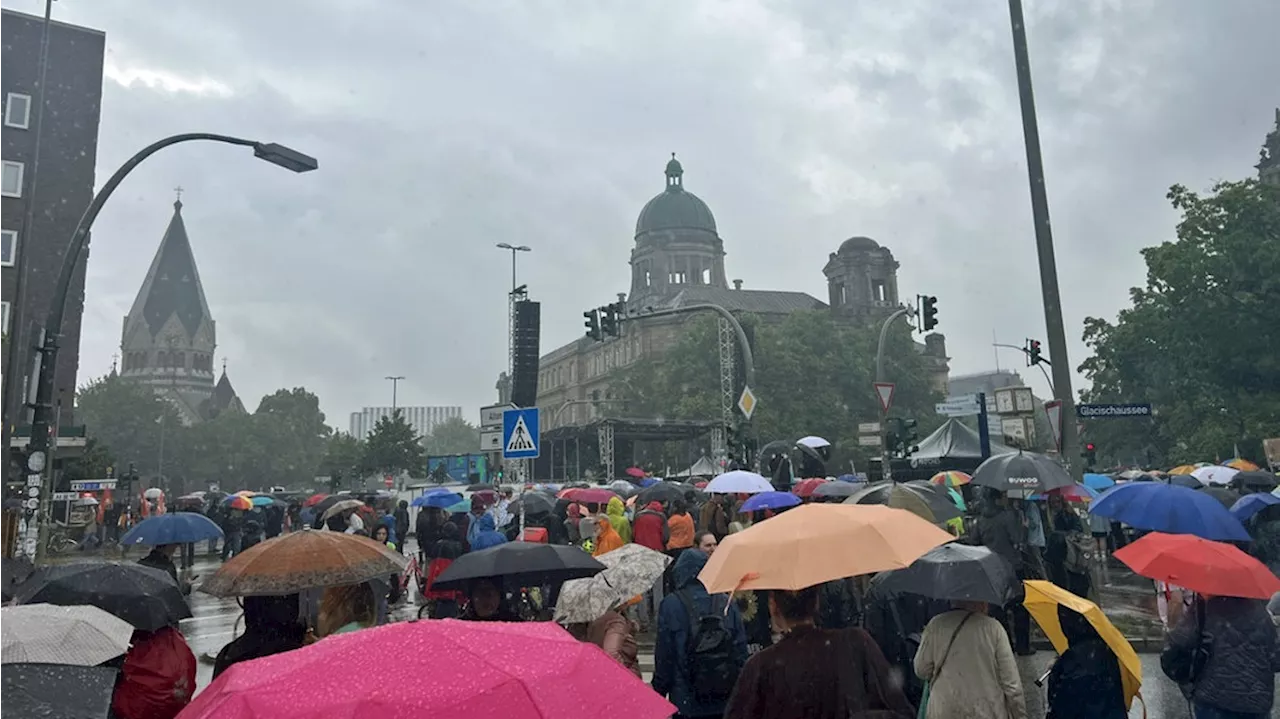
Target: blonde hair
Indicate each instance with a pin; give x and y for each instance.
(341, 605)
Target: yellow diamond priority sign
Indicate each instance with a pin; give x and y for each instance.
(747, 402)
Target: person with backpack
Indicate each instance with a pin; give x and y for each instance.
(700, 648)
(816, 673)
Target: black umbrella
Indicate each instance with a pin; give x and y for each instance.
(1227, 497)
(837, 490)
(1254, 481)
(520, 564)
(480, 487)
(1186, 480)
(1026, 471)
(533, 503)
(942, 508)
(58, 691)
(953, 572)
(147, 598)
(14, 571)
(665, 492)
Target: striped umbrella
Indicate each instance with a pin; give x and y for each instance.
(950, 478)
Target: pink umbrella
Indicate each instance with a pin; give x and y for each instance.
(444, 668)
(635, 472)
(590, 495)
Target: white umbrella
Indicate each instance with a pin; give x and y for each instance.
(1215, 474)
(341, 506)
(629, 570)
(153, 493)
(48, 634)
(739, 481)
(813, 442)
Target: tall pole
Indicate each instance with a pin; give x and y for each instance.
(13, 392)
(1057, 334)
(886, 472)
(518, 466)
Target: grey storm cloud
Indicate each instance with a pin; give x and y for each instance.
(445, 127)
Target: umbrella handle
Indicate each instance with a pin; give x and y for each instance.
(1042, 677)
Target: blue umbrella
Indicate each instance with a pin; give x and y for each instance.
(1098, 482)
(769, 500)
(264, 500)
(1251, 504)
(1171, 509)
(175, 528)
(442, 500)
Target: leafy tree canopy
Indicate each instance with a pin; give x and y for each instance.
(453, 436)
(1200, 342)
(128, 421)
(343, 461)
(393, 447)
(814, 375)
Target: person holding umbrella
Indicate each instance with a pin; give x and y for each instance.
(965, 657)
(1085, 682)
(161, 557)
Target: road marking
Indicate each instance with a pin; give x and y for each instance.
(204, 617)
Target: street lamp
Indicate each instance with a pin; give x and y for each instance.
(514, 249)
(395, 385)
(43, 415)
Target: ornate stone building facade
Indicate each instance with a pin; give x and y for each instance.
(1269, 158)
(678, 261)
(169, 335)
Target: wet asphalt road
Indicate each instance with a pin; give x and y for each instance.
(217, 621)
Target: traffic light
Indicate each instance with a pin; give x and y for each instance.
(1033, 353)
(910, 434)
(1090, 454)
(732, 442)
(892, 436)
(928, 312)
(593, 324)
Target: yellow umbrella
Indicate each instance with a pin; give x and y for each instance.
(1183, 469)
(1243, 465)
(816, 543)
(1042, 601)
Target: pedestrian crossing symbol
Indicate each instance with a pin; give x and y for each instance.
(520, 433)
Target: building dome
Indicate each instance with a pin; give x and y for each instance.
(675, 208)
(859, 244)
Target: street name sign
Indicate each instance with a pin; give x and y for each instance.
(92, 485)
(520, 433)
(868, 440)
(491, 416)
(884, 393)
(959, 406)
(1108, 411)
(869, 428)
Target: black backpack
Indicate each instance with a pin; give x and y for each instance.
(713, 661)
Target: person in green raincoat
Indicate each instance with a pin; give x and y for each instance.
(617, 512)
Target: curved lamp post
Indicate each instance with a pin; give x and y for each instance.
(43, 416)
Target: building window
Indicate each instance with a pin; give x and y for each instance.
(648, 280)
(706, 275)
(8, 247)
(878, 291)
(4, 317)
(11, 182)
(17, 110)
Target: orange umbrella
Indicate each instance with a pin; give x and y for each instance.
(1243, 465)
(816, 543)
(303, 560)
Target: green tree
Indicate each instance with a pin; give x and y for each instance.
(814, 375)
(1199, 342)
(93, 463)
(393, 447)
(343, 460)
(228, 451)
(453, 436)
(130, 422)
(292, 427)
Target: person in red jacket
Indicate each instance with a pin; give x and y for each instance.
(649, 529)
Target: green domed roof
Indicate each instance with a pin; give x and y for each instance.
(675, 208)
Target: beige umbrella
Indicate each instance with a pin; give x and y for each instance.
(49, 634)
(340, 507)
(629, 570)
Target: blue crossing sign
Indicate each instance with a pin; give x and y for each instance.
(520, 438)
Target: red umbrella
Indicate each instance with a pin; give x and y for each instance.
(1201, 565)
(532, 669)
(804, 488)
(591, 495)
(315, 499)
(635, 472)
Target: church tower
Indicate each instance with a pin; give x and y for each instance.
(1269, 158)
(677, 245)
(169, 335)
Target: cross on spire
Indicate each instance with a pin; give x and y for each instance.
(224, 365)
(115, 358)
(177, 203)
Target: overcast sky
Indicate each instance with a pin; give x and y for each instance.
(443, 128)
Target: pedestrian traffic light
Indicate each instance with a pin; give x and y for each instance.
(1090, 454)
(910, 435)
(592, 324)
(1032, 351)
(928, 312)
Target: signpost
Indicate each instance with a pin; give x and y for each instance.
(965, 405)
(869, 428)
(520, 438)
(93, 485)
(491, 440)
(868, 440)
(747, 402)
(1111, 411)
(1053, 408)
(884, 392)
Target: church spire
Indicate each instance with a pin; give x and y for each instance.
(1269, 157)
